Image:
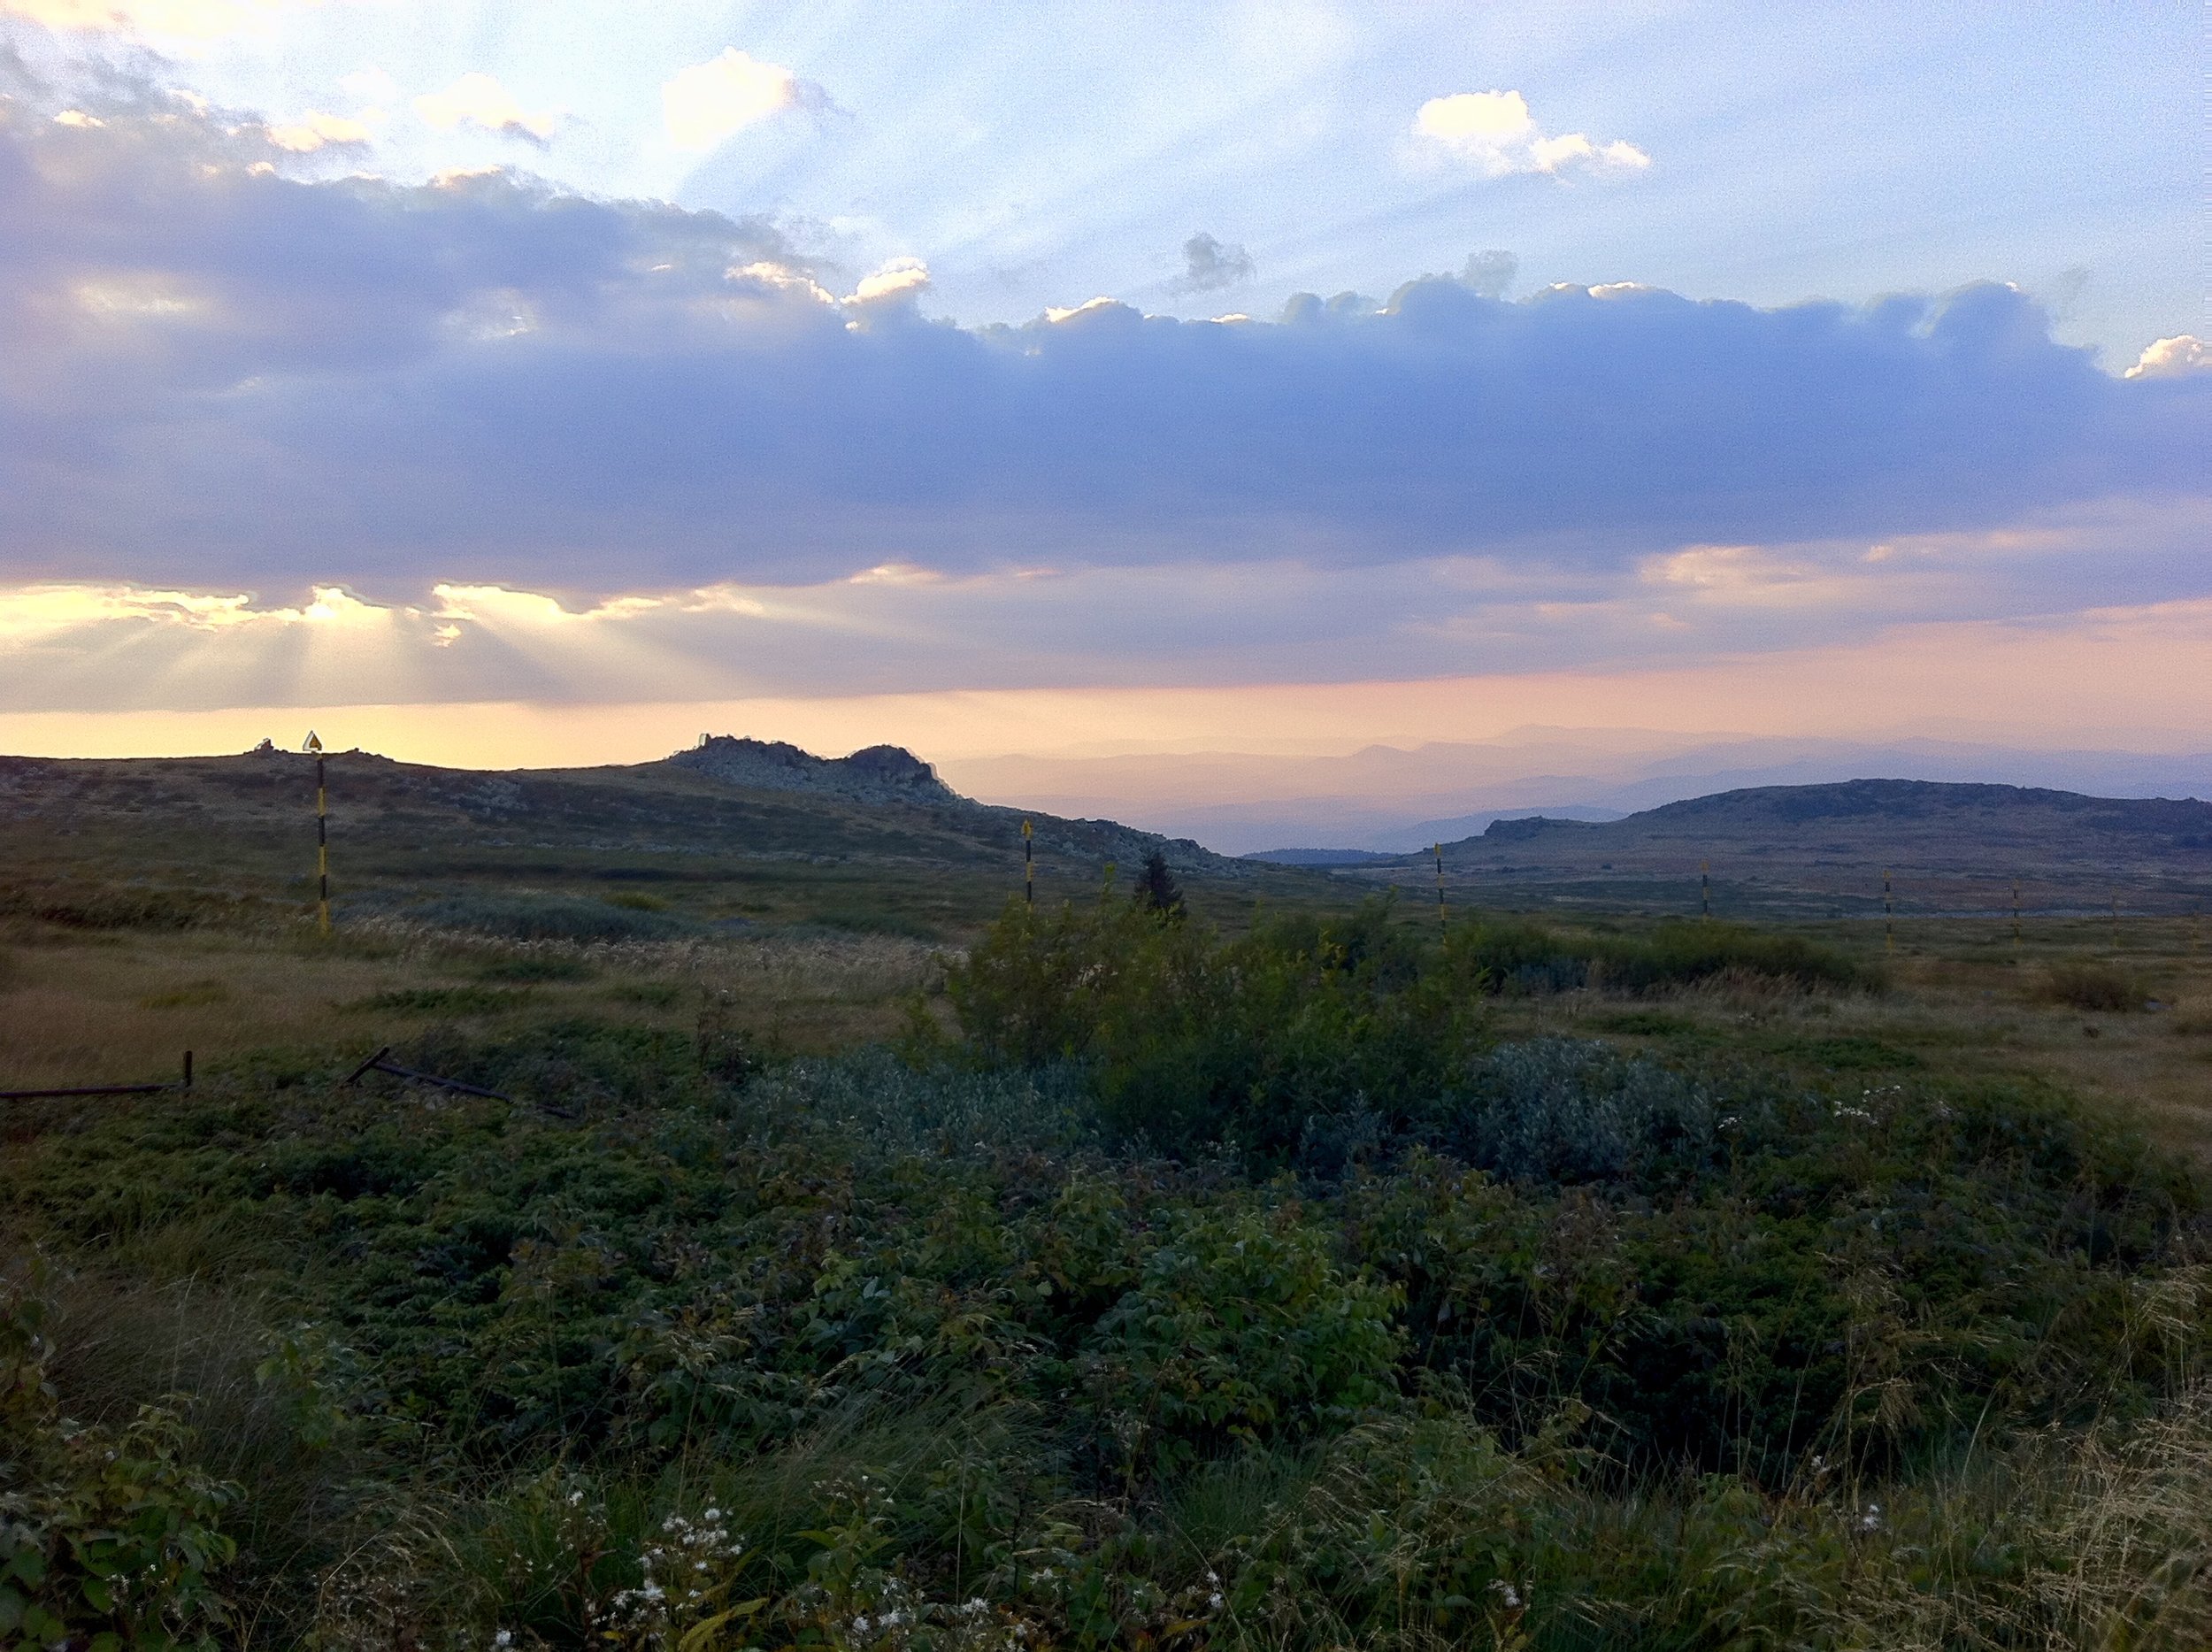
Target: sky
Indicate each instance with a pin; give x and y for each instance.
(553, 382)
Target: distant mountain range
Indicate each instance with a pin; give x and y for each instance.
(1386, 799)
(735, 831)
(1942, 845)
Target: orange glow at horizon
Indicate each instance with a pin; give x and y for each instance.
(2137, 676)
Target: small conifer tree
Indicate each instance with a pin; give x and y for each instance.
(1155, 889)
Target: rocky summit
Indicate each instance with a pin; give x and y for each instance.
(874, 775)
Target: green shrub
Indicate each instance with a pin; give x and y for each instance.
(440, 1001)
(1558, 1110)
(1682, 953)
(546, 917)
(1241, 1326)
(1191, 1040)
(108, 1536)
(536, 966)
(2088, 985)
(1315, 1042)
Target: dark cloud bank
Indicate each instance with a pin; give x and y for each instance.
(212, 370)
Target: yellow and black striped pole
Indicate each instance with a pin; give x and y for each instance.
(322, 838)
(1029, 865)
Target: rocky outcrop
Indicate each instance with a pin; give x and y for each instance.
(874, 775)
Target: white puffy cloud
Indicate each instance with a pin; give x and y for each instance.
(1495, 132)
(478, 99)
(708, 102)
(2172, 358)
(900, 277)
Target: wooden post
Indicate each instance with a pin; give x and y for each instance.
(1889, 915)
(1029, 867)
(1705, 888)
(322, 838)
(2015, 914)
(1440, 887)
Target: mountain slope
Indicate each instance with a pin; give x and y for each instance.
(1944, 845)
(734, 832)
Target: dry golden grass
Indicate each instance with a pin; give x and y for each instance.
(121, 1008)
(2130, 1509)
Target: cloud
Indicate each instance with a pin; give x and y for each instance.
(479, 100)
(1495, 132)
(2172, 358)
(316, 130)
(1490, 273)
(216, 376)
(184, 18)
(1210, 265)
(711, 101)
(902, 279)
(906, 624)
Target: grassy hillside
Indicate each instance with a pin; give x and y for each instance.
(1823, 851)
(551, 851)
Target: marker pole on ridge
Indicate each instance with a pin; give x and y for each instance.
(322, 838)
(1440, 886)
(1029, 866)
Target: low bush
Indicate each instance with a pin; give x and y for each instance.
(130, 906)
(1240, 1326)
(1303, 1041)
(1683, 953)
(532, 967)
(2087, 984)
(546, 917)
(440, 1001)
(108, 1536)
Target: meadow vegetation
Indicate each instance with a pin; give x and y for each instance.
(1115, 1281)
